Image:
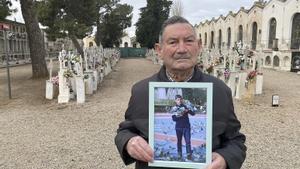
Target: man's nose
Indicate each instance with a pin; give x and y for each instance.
(181, 47)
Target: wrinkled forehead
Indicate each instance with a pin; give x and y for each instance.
(179, 30)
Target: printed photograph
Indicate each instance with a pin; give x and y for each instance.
(180, 124)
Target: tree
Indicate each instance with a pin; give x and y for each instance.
(35, 39)
(177, 8)
(112, 20)
(149, 24)
(103, 7)
(5, 9)
(68, 18)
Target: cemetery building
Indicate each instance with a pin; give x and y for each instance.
(126, 41)
(270, 30)
(89, 41)
(16, 44)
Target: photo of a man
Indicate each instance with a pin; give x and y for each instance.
(180, 114)
(180, 124)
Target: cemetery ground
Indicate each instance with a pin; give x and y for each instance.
(37, 133)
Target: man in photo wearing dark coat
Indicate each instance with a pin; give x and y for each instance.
(180, 114)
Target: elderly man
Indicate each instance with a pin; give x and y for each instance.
(178, 48)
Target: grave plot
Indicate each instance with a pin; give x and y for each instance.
(80, 76)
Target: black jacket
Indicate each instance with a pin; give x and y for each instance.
(226, 138)
(182, 121)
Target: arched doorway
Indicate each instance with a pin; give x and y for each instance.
(272, 32)
(212, 43)
(295, 61)
(240, 35)
(276, 61)
(220, 39)
(268, 61)
(228, 37)
(254, 36)
(295, 39)
(126, 44)
(286, 61)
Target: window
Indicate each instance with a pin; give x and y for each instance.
(268, 61)
(276, 61)
(240, 35)
(212, 44)
(272, 32)
(295, 43)
(254, 35)
(228, 37)
(220, 39)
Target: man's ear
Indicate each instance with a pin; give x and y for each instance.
(158, 49)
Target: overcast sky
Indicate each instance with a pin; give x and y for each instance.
(193, 10)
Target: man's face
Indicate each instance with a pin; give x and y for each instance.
(179, 47)
(178, 101)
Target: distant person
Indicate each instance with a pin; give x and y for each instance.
(179, 48)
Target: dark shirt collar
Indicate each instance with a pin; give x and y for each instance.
(162, 76)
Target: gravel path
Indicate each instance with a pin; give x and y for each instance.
(273, 133)
(36, 133)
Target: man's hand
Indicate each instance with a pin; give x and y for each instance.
(139, 149)
(218, 162)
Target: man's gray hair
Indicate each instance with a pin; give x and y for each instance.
(171, 21)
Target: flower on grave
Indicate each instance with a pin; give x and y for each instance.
(251, 75)
(55, 80)
(68, 73)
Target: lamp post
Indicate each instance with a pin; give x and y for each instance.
(6, 27)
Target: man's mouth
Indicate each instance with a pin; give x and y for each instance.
(181, 57)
